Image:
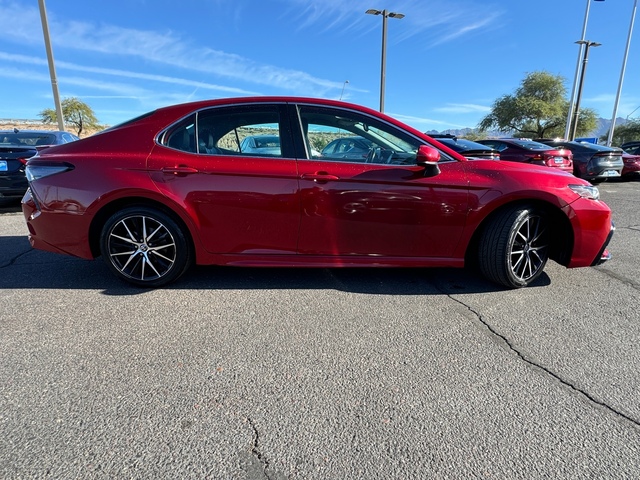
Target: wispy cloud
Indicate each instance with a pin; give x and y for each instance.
(463, 108)
(162, 48)
(424, 121)
(436, 21)
(61, 65)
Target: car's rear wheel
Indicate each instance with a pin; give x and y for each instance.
(145, 247)
(514, 247)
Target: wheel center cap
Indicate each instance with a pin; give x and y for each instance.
(143, 247)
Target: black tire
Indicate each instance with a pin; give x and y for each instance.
(514, 247)
(145, 247)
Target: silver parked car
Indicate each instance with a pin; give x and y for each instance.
(592, 161)
(261, 145)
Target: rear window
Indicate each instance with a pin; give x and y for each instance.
(463, 145)
(29, 139)
(531, 145)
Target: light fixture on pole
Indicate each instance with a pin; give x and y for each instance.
(52, 68)
(383, 63)
(587, 44)
(567, 130)
(343, 85)
(624, 66)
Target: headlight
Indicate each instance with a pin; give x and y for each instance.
(39, 170)
(586, 191)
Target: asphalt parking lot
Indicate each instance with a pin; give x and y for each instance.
(284, 373)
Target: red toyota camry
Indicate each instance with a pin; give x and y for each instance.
(176, 186)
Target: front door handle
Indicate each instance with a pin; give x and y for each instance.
(179, 170)
(319, 177)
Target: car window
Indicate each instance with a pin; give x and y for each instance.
(500, 146)
(530, 145)
(182, 135)
(29, 139)
(254, 130)
(346, 136)
(240, 130)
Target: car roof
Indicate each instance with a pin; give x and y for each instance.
(465, 143)
(585, 145)
(521, 142)
(33, 132)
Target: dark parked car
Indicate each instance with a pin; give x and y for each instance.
(631, 147)
(261, 145)
(352, 148)
(528, 151)
(467, 147)
(143, 197)
(592, 161)
(16, 147)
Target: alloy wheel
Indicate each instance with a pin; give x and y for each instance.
(141, 248)
(528, 250)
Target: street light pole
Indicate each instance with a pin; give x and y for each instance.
(575, 77)
(52, 68)
(624, 66)
(383, 63)
(343, 85)
(585, 59)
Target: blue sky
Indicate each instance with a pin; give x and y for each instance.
(447, 60)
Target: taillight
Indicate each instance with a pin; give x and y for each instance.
(606, 155)
(40, 170)
(537, 158)
(24, 161)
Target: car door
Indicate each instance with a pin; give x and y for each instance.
(382, 205)
(242, 203)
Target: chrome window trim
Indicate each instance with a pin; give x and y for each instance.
(160, 136)
(444, 157)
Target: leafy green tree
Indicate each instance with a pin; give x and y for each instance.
(537, 109)
(624, 133)
(474, 135)
(74, 112)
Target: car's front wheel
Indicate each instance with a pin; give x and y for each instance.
(514, 246)
(145, 247)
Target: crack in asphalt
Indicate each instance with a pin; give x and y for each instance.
(13, 260)
(543, 368)
(621, 278)
(255, 449)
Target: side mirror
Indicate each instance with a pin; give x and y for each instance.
(428, 157)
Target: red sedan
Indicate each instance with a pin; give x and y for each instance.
(631, 166)
(174, 187)
(529, 151)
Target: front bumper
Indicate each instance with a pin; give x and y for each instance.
(604, 254)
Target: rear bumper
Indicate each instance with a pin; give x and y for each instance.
(13, 185)
(631, 168)
(69, 232)
(600, 169)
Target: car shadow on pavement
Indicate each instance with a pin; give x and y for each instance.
(25, 268)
